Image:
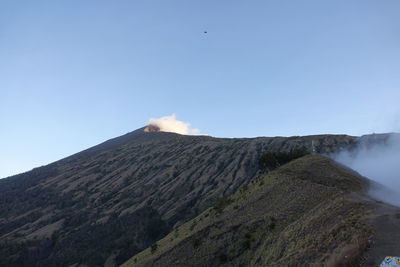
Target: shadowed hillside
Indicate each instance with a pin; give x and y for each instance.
(113, 200)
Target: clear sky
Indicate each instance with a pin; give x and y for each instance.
(74, 73)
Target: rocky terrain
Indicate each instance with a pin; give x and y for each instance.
(105, 204)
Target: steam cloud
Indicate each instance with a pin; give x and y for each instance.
(170, 124)
(377, 157)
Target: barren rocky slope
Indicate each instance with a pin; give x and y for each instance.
(113, 200)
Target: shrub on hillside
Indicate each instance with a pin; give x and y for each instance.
(273, 160)
(222, 204)
(154, 247)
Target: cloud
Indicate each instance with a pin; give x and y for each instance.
(171, 124)
(377, 157)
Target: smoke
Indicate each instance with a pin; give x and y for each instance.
(377, 157)
(170, 124)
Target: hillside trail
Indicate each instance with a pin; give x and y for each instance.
(386, 240)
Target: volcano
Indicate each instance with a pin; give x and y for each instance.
(108, 203)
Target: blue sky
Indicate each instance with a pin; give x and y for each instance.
(75, 73)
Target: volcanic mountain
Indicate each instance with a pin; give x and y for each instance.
(103, 205)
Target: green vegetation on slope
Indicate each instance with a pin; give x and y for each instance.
(300, 214)
(273, 160)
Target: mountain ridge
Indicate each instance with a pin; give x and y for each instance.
(129, 191)
(261, 224)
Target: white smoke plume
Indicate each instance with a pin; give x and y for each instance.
(170, 124)
(377, 157)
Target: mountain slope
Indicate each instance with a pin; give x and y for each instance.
(304, 213)
(127, 192)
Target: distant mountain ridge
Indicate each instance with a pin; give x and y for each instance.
(128, 192)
